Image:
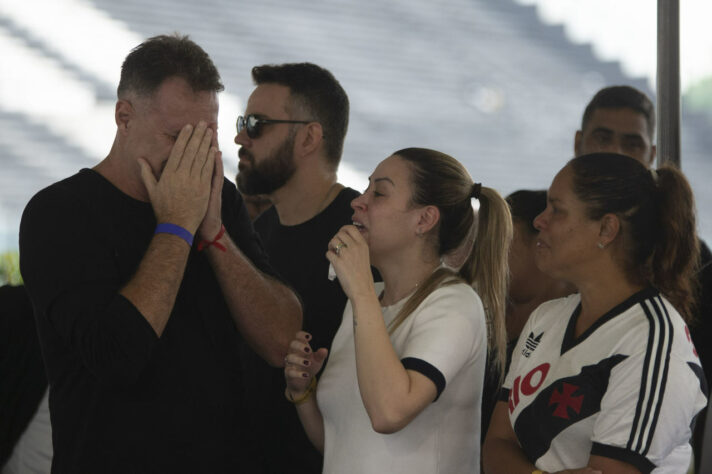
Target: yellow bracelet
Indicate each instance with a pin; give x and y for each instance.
(305, 396)
(538, 471)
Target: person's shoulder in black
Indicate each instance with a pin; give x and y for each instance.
(21, 369)
(298, 254)
(241, 229)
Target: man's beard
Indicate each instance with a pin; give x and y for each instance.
(271, 173)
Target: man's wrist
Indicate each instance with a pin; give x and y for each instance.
(209, 228)
(174, 229)
(214, 241)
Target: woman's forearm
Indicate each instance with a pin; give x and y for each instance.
(312, 421)
(501, 456)
(392, 396)
(501, 453)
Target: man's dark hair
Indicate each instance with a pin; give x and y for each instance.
(165, 56)
(316, 92)
(526, 205)
(618, 97)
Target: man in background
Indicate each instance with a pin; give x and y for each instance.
(291, 139)
(619, 119)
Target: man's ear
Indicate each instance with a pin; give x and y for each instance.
(653, 155)
(123, 114)
(610, 228)
(427, 219)
(578, 138)
(309, 139)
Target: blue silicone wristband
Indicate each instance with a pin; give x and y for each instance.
(167, 228)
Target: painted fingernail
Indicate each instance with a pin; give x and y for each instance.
(306, 362)
(305, 375)
(307, 336)
(307, 350)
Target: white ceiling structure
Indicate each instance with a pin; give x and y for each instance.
(483, 80)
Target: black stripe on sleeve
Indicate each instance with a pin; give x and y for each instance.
(653, 381)
(650, 393)
(427, 369)
(503, 395)
(642, 463)
(664, 316)
(643, 379)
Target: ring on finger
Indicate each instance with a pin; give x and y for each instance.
(338, 248)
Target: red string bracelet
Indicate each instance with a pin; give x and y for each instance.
(207, 243)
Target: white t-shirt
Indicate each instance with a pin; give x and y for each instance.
(628, 388)
(445, 339)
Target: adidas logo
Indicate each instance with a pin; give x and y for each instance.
(531, 344)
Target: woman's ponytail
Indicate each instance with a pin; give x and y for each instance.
(487, 269)
(677, 250)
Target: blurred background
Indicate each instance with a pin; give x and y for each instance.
(499, 84)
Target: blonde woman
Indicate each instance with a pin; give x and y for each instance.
(402, 389)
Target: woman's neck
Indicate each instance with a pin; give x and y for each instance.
(401, 280)
(601, 294)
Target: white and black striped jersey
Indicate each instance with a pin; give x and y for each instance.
(628, 388)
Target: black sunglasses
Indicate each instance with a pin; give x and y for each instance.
(253, 124)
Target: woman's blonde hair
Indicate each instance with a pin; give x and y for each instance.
(440, 180)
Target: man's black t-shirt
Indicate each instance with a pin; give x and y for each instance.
(298, 254)
(121, 399)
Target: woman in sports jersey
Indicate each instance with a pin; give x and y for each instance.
(606, 380)
(402, 389)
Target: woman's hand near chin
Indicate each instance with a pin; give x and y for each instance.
(349, 254)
